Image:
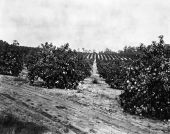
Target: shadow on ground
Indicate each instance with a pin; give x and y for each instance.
(9, 124)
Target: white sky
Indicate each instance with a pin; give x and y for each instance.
(92, 24)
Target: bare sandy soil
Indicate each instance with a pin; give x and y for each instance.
(91, 109)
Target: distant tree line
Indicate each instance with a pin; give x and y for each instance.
(134, 51)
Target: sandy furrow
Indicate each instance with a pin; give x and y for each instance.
(51, 120)
(94, 113)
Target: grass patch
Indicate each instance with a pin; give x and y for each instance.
(95, 81)
(20, 80)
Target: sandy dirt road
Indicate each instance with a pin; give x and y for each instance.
(91, 109)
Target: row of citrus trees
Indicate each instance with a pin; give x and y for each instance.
(56, 67)
(13, 57)
(145, 81)
(113, 71)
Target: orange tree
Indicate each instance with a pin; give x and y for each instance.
(146, 91)
(57, 67)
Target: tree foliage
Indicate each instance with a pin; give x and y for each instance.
(147, 85)
(57, 67)
(145, 80)
(11, 61)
